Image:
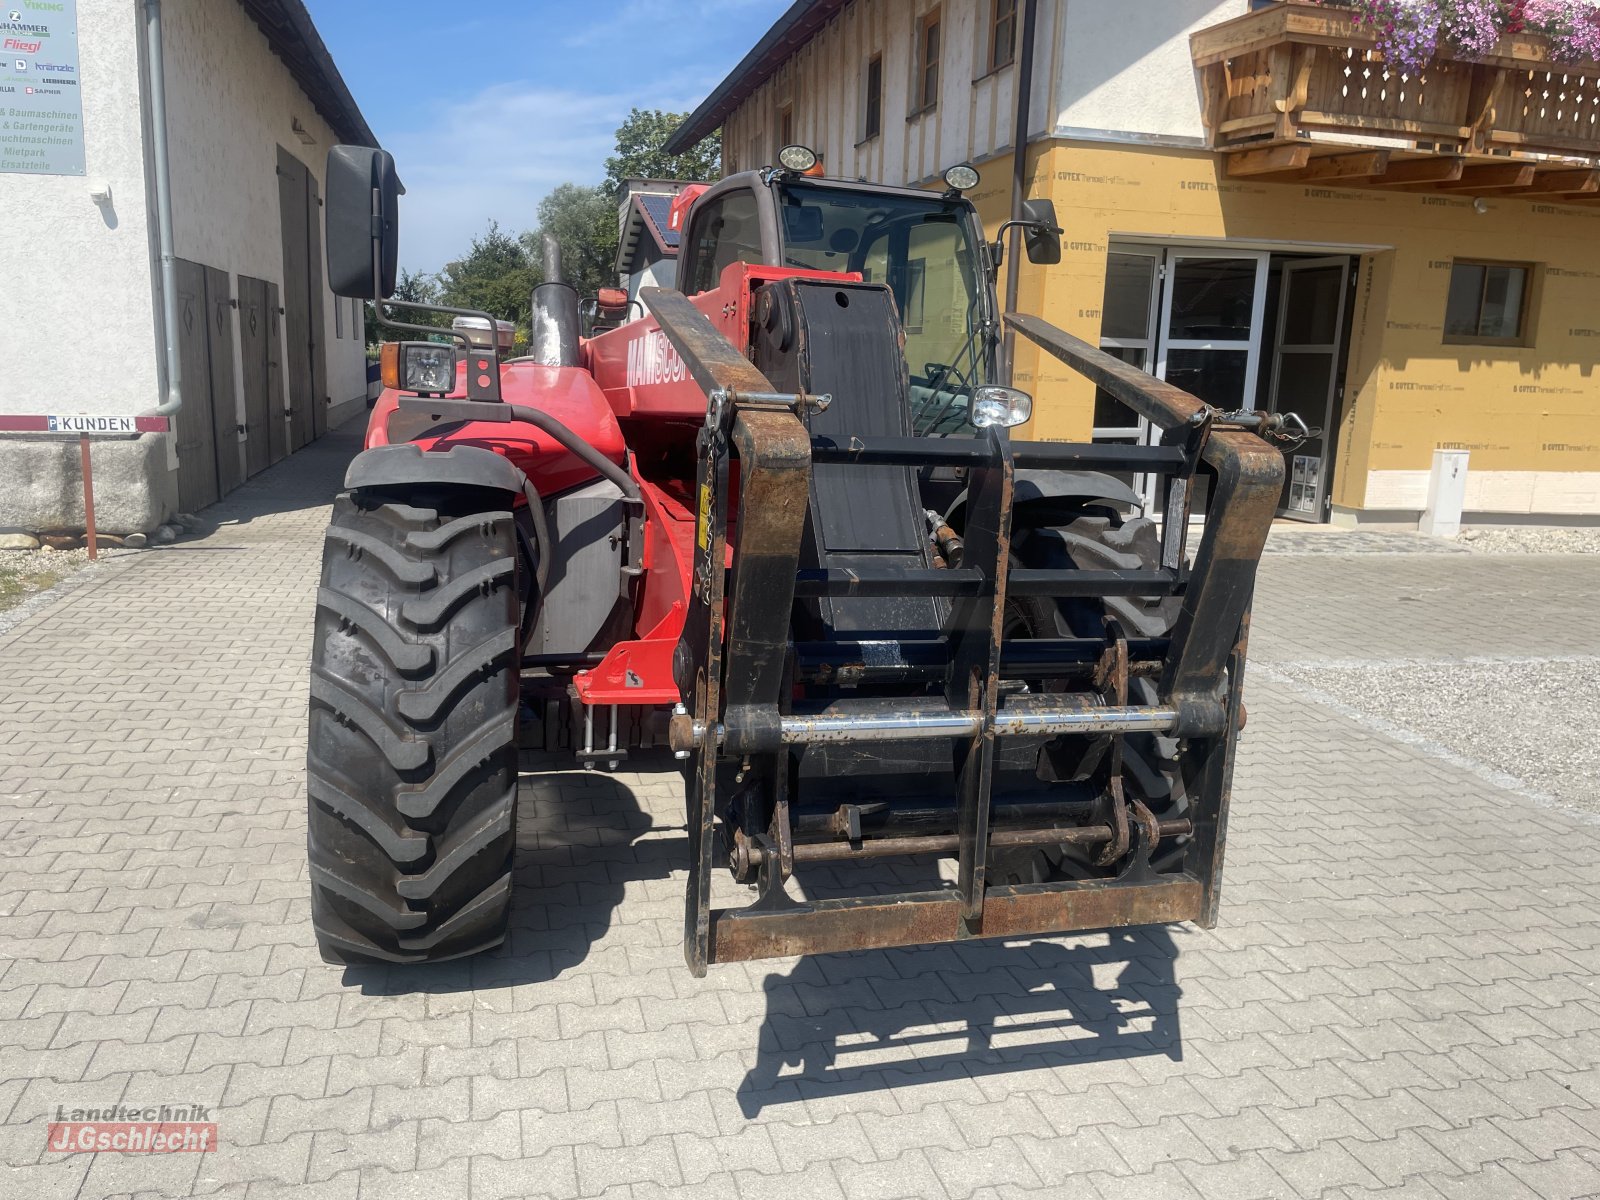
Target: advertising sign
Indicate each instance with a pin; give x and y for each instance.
(41, 112)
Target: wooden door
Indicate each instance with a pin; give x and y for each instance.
(224, 403)
(196, 439)
(319, 362)
(292, 207)
(253, 369)
(277, 418)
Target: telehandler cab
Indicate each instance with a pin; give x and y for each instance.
(777, 523)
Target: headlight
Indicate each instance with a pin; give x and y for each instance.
(428, 367)
(797, 158)
(961, 177)
(992, 405)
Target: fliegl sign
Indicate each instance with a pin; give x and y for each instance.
(651, 359)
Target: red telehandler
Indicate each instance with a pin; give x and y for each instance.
(777, 524)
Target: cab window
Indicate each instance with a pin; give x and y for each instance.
(726, 230)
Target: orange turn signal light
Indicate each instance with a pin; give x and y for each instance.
(389, 365)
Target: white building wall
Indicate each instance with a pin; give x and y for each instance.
(1101, 67)
(1125, 67)
(231, 103)
(77, 308)
(824, 86)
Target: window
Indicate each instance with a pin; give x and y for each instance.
(872, 100)
(1002, 34)
(927, 90)
(338, 318)
(728, 230)
(786, 127)
(1487, 304)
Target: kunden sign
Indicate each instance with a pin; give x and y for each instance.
(41, 111)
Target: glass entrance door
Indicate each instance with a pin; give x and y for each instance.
(1189, 316)
(1210, 342)
(1305, 372)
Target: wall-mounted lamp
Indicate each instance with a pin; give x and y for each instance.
(100, 191)
(1480, 206)
(301, 132)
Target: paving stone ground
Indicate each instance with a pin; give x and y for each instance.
(1400, 999)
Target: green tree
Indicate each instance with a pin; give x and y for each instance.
(583, 220)
(639, 154)
(419, 288)
(495, 276)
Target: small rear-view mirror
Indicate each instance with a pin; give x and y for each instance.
(356, 176)
(1042, 236)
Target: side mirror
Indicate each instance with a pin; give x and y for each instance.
(362, 222)
(1041, 236)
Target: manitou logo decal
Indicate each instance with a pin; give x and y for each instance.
(651, 359)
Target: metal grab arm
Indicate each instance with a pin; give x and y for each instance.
(1248, 479)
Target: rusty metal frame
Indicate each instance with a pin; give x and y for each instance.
(738, 679)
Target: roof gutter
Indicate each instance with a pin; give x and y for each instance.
(173, 400)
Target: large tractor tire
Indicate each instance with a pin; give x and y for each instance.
(412, 762)
(1151, 771)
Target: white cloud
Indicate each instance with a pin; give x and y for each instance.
(496, 155)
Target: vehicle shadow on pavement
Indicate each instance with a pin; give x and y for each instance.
(582, 839)
(831, 1025)
(852, 1023)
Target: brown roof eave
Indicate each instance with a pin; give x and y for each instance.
(293, 37)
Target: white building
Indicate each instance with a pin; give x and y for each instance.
(267, 359)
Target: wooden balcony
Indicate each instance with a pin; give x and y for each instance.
(1297, 92)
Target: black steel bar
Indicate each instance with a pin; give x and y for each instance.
(889, 581)
(949, 843)
(563, 660)
(1074, 802)
(973, 683)
(926, 660)
(1095, 456)
(961, 452)
(1065, 583)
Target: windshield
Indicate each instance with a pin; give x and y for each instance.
(924, 251)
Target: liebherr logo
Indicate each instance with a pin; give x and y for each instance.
(651, 359)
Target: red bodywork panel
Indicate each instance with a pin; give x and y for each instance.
(642, 375)
(632, 380)
(568, 394)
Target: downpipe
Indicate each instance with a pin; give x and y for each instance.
(173, 399)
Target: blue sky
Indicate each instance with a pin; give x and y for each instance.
(488, 104)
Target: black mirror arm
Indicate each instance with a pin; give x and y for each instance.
(474, 391)
(1039, 226)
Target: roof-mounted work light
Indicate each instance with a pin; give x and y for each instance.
(802, 160)
(961, 177)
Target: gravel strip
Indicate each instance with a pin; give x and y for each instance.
(29, 578)
(1531, 719)
(1531, 539)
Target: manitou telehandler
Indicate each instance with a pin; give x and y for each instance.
(779, 525)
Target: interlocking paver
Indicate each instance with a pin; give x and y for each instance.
(1400, 999)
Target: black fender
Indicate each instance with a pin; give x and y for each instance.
(1044, 492)
(407, 465)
